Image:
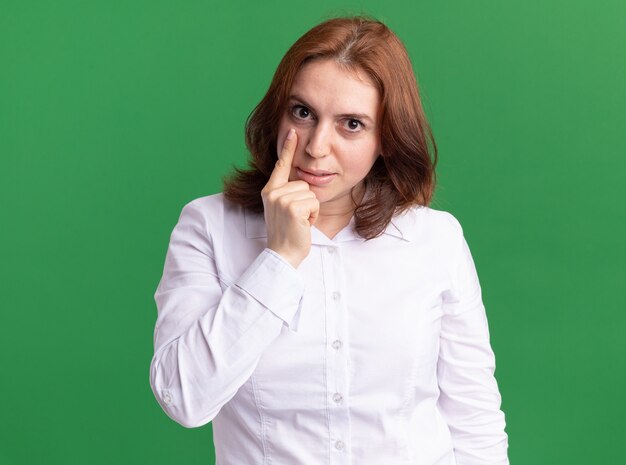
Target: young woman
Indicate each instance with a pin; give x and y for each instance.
(318, 311)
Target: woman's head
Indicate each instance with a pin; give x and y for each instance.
(404, 173)
(335, 113)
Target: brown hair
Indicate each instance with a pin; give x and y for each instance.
(404, 174)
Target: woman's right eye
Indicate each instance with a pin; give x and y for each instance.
(300, 112)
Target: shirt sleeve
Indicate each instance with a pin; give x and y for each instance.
(469, 397)
(209, 336)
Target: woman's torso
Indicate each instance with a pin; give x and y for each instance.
(357, 381)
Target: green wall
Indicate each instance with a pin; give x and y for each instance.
(114, 114)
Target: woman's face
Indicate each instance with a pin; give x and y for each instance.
(335, 113)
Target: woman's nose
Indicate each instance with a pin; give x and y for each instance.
(319, 142)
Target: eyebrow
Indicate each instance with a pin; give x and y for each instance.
(361, 116)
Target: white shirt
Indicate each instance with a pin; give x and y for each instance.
(370, 352)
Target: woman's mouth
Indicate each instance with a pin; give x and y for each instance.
(316, 178)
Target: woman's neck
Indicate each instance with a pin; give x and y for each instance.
(336, 215)
(331, 223)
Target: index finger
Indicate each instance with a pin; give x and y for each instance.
(280, 174)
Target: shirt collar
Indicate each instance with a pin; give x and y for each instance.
(401, 227)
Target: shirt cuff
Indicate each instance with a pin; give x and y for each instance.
(277, 285)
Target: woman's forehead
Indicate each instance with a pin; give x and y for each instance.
(328, 85)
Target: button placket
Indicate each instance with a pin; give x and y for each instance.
(336, 359)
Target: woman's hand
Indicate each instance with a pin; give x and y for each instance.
(291, 208)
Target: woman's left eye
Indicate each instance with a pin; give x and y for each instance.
(353, 125)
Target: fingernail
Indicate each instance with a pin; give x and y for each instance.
(291, 133)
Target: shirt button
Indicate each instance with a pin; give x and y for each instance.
(339, 445)
(331, 250)
(337, 344)
(336, 295)
(337, 397)
(167, 399)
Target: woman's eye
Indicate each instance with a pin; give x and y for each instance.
(353, 125)
(300, 112)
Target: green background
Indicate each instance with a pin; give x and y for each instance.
(114, 114)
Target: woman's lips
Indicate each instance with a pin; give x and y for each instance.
(317, 178)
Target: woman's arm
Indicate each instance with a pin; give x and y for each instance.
(469, 397)
(207, 340)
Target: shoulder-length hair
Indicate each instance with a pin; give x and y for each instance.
(404, 174)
